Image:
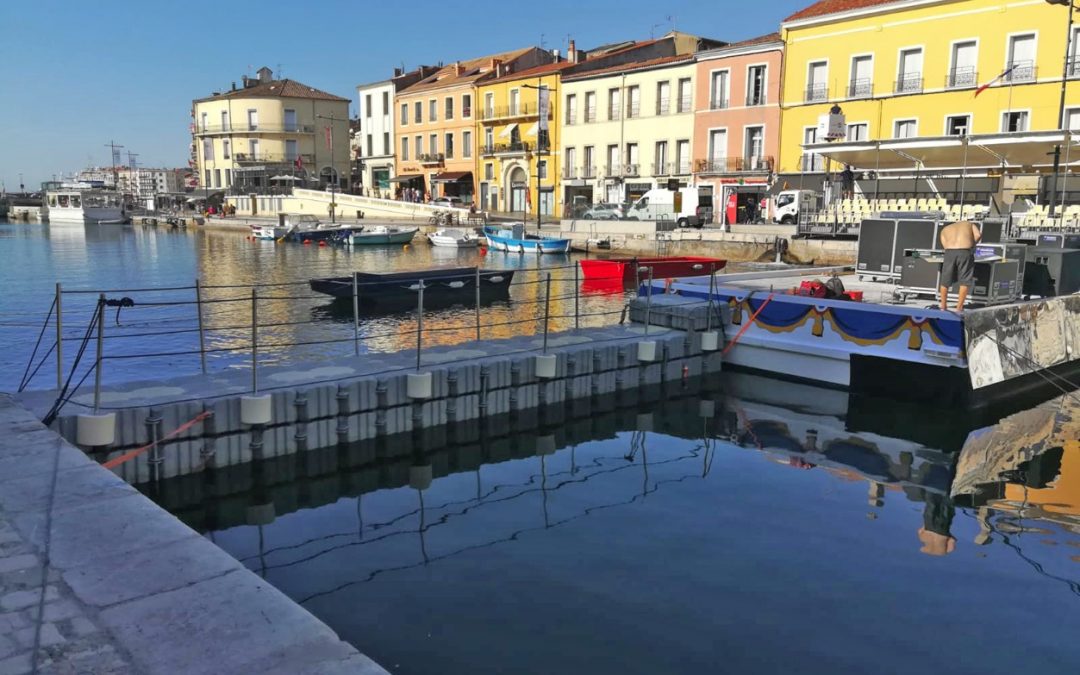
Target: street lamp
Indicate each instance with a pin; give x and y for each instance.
(333, 169)
(1061, 105)
(541, 128)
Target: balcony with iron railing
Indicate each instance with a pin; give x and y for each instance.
(663, 106)
(502, 112)
(633, 111)
(207, 129)
(685, 104)
(588, 171)
(676, 168)
(613, 112)
(514, 148)
(1073, 67)
(861, 88)
(719, 103)
(570, 172)
(962, 78)
(1022, 71)
(754, 99)
(590, 115)
(718, 165)
(816, 92)
(908, 84)
(621, 170)
(431, 158)
(270, 158)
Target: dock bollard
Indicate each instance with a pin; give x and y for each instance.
(418, 385)
(96, 429)
(255, 408)
(646, 352)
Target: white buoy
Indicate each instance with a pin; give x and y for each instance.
(256, 409)
(710, 341)
(418, 385)
(261, 514)
(646, 351)
(545, 445)
(95, 430)
(706, 408)
(545, 365)
(644, 422)
(420, 476)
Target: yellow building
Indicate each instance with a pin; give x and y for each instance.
(912, 69)
(517, 170)
(245, 137)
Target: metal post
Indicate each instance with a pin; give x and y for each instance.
(547, 308)
(254, 341)
(712, 286)
(477, 302)
(419, 323)
(100, 351)
(356, 313)
(648, 301)
(577, 314)
(59, 338)
(1061, 109)
(202, 331)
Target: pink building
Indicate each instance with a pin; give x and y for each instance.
(737, 125)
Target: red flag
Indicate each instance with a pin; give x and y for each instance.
(329, 137)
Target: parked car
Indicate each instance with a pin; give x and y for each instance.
(603, 212)
(454, 202)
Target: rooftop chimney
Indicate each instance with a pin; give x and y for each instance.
(572, 53)
(494, 65)
(265, 74)
(555, 53)
(234, 86)
(458, 70)
(398, 72)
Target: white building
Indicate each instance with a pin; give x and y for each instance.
(373, 143)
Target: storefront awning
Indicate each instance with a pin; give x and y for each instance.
(451, 176)
(404, 179)
(533, 129)
(505, 133)
(1019, 151)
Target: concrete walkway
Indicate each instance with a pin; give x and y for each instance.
(96, 578)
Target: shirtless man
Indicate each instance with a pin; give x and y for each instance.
(959, 241)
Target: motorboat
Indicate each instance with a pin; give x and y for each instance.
(442, 286)
(268, 232)
(451, 237)
(631, 270)
(83, 203)
(306, 227)
(517, 240)
(380, 235)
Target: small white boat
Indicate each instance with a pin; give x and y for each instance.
(381, 235)
(83, 203)
(274, 232)
(454, 238)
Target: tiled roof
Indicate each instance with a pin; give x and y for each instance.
(633, 65)
(535, 71)
(826, 7)
(471, 70)
(278, 89)
(759, 40)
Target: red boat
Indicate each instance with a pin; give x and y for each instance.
(623, 270)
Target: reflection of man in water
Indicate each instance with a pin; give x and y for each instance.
(959, 241)
(937, 519)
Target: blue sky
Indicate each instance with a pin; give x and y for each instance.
(76, 75)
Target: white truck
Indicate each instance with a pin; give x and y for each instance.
(688, 207)
(790, 203)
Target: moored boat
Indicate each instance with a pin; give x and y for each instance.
(441, 285)
(380, 235)
(517, 240)
(628, 270)
(82, 203)
(309, 228)
(453, 237)
(269, 231)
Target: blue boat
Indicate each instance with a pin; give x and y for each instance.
(516, 240)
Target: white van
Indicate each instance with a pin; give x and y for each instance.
(688, 206)
(790, 203)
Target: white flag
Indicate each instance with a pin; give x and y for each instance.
(545, 107)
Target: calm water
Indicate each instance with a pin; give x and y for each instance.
(33, 257)
(741, 525)
(773, 528)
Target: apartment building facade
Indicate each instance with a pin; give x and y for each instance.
(436, 124)
(737, 123)
(248, 138)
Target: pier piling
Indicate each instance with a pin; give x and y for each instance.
(59, 337)
(202, 329)
(356, 313)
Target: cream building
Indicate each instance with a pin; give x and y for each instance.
(268, 128)
(627, 129)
